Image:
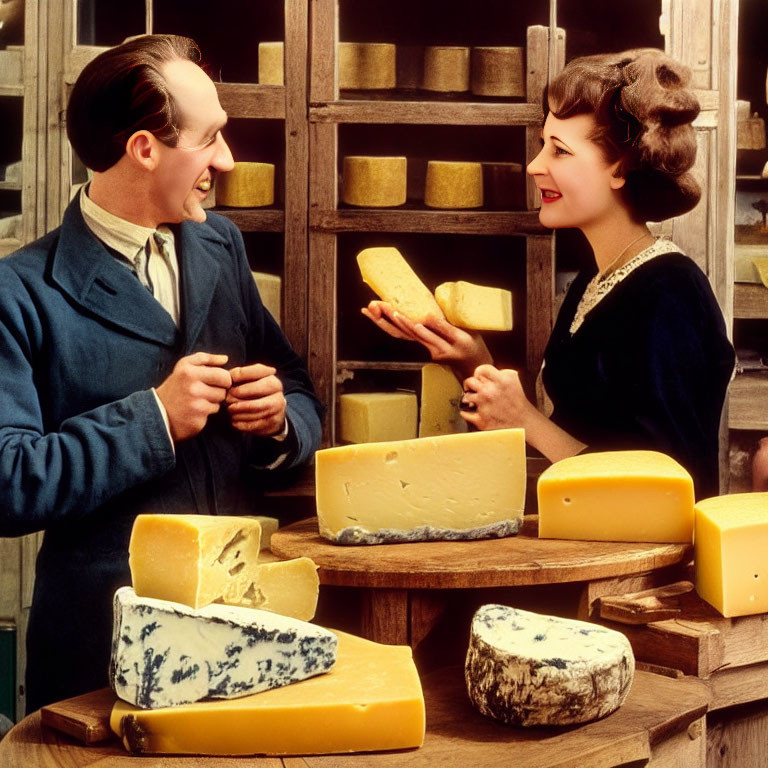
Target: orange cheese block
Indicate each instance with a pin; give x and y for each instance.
(616, 496)
(731, 553)
(370, 700)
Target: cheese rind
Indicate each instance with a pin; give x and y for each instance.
(440, 396)
(453, 184)
(463, 486)
(247, 185)
(376, 182)
(370, 700)
(373, 417)
(616, 496)
(165, 654)
(730, 546)
(366, 66)
(393, 280)
(477, 307)
(446, 68)
(528, 669)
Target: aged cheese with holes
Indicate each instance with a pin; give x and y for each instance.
(373, 417)
(247, 185)
(393, 280)
(270, 289)
(376, 182)
(731, 553)
(528, 669)
(616, 496)
(271, 63)
(165, 654)
(452, 487)
(440, 396)
(367, 66)
(370, 700)
(194, 559)
(477, 307)
(453, 184)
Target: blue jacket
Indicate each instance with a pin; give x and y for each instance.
(83, 445)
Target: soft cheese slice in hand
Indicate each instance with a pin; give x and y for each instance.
(527, 669)
(392, 279)
(165, 654)
(478, 307)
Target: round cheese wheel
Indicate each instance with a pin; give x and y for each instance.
(247, 185)
(446, 68)
(376, 182)
(271, 63)
(498, 71)
(366, 66)
(453, 184)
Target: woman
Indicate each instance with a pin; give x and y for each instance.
(638, 358)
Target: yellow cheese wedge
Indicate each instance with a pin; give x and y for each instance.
(453, 184)
(247, 185)
(498, 71)
(730, 553)
(370, 700)
(366, 66)
(194, 559)
(392, 279)
(478, 307)
(616, 496)
(372, 417)
(446, 68)
(375, 182)
(761, 265)
(447, 487)
(271, 63)
(270, 289)
(440, 395)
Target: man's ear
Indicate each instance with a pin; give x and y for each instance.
(617, 180)
(141, 148)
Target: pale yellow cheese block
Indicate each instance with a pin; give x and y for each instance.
(616, 496)
(271, 291)
(440, 395)
(247, 185)
(446, 487)
(446, 68)
(376, 182)
(731, 553)
(367, 66)
(371, 417)
(271, 63)
(477, 307)
(269, 525)
(761, 265)
(498, 71)
(370, 700)
(393, 280)
(453, 184)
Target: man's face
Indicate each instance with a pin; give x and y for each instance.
(185, 173)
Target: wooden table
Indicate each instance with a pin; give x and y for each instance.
(661, 720)
(405, 588)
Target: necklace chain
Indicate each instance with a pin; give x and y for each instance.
(611, 268)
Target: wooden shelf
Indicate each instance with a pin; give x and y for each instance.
(252, 101)
(12, 185)
(428, 221)
(255, 219)
(750, 301)
(748, 402)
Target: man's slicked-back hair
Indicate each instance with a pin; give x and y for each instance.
(123, 91)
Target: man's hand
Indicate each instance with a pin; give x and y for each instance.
(255, 402)
(195, 389)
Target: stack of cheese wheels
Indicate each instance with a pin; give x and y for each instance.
(375, 182)
(367, 66)
(446, 68)
(271, 63)
(498, 71)
(453, 184)
(247, 185)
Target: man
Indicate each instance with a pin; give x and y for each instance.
(139, 370)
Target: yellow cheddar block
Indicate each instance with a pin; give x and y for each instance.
(370, 700)
(393, 280)
(477, 307)
(440, 395)
(453, 184)
(466, 486)
(616, 496)
(373, 417)
(375, 182)
(247, 185)
(271, 56)
(730, 546)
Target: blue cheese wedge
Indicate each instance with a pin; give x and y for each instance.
(165, 654)
(527, 669)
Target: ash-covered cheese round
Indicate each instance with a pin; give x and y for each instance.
(525, 668)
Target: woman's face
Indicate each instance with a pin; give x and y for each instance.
(577, 184)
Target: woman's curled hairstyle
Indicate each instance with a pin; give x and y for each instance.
(643, 111)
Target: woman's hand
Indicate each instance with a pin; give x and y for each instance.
(462, 350)
(494, 399)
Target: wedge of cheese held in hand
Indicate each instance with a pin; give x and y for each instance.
(477, 307)
(392, 280)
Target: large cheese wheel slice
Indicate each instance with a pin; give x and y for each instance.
(468, 486)
(375, 182)
(247, 185)
(731, 553)
(616, 496)
(453, 184)
(374, 417)
(478, 307)
(393, 280)
(165, 654)
(440, 396)
(371, 700)
(527, 669)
